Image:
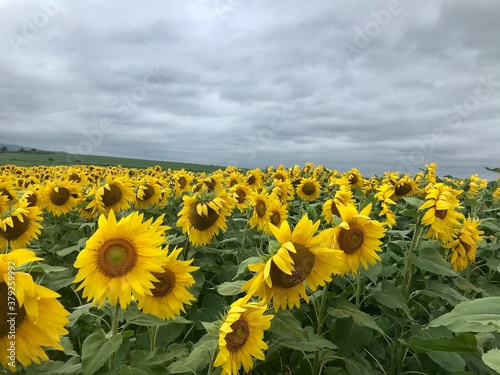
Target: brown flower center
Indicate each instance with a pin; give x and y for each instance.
(59, 197)
(350, 240)
(279, 176)
(303, 263)
(182, 182)
(275, 218)
(353, 179)
(116, 257)
(148, 192)
(11, 315)
(74, 177)
(32, 199)
(5, 192)
(13, 233)
(239, 336)
(260, 208)
(241, 195)
(210, 184)
(202, 222)
(334, 209)
(309, 188)
(165, 284)
(466, 246)
(112, 196)
(441, 214)
(251, 180)
(402, 189)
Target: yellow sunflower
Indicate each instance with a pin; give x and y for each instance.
(260, 214)
(441, 216)
(463, 248)
(476, 184)
(148, 192)
(496, 193)
(254, 178)
(60, 197)
(116, 194)
(241, 195)
(8, 188)
(241, 337)
(213, 183)
(30, 315)
(308, 189)
(277, 213)
(354, 178)
(385, 193)
(343, 196)
(19, 225)
(170, 293)
(301, 258)
(404, 187)
(202, 216)
(283, 190)
(182, 182)
(120, 258)
(235, 178)
(358, 237)
(3, 203)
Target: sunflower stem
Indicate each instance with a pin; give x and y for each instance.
(115, 319)
(359, 282)
(152, 330)
(319, 327)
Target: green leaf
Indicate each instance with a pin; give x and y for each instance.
(346, 309)
(244, 265)
(127, 370)
(288, 332)
(492, 359)
(451, 362)
(198, 359)
(391, 297)
(413, 201)
(230, 288)
(463, 343)
(493, 169)
(431, 261)
(79, 311)
(97, 349)
(479, 315)
(435, 288)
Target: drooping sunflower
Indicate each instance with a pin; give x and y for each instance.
(120, 258)
(343, 196)
(476, 184)
(441, 216)
(241, 337)
(30, 314)
(60, 197)
(260, 214)
(148, 192)
(115, 194)
(202, 216)
(463, 248)
(283, 190)
(308, 189)
(170, 293)
(19, 224)
(358, 237)
(385, 193)
(302, 258)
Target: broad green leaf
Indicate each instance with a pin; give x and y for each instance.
(479, 315)
(288, 332)
(230, 288)
(451, 362)
(97, 349)
(127, 370)
(431, 261)
(244, 265)
(357, 365)
(492, 359)
(493, 169)
(463, 343)
(350, 337)
(346, 309)
(413, 201)
(198, 359)
(79, 311)
(435, 288)
(390, 296)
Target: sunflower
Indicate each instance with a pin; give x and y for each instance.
(241, 194)
(116, 194)
(254, 178)
(277, 213)
(241, 337)
(169, 294)
(283, 190)
(3, 203)
(204, 215)
(59, 196)
(404, 187)
(77, 176)
(148, 192)
(496, 193)
(120, 258)
(235, 178)
(476, 184)
(385, 193)
(281, 174)
(463, 248)
(308, 189)
(343, 196)
(354, 178)
(8, 188)
(302, 258)
(30, 315)
(19, 225)
(213, 183)
(182, 182)
(441, 216)
(260, 215)
(358, 237)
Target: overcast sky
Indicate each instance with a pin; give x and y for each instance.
(376, 85)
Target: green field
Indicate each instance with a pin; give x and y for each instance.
(53, 159)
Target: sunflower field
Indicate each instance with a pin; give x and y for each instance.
(303, 270)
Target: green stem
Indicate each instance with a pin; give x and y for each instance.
(153, 330)
(358, 289)
(319, 327)
(115, 320)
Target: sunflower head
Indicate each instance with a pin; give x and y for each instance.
(308, 189)
(463, 247)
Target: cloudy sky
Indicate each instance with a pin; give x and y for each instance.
(376, 85)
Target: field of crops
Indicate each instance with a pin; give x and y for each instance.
(303, 270)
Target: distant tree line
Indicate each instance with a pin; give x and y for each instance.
(23, 150)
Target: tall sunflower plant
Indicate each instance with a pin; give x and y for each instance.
(300, 270)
